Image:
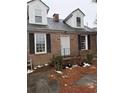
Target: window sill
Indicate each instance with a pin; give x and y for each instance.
(37, 53)
(83, 49)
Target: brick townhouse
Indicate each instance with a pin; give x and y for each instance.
(53, 36)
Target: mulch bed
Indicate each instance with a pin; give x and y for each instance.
(70, 76)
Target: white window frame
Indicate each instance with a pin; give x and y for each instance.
(45, 44)
(38, 21)
(78, 25)
(86, 42)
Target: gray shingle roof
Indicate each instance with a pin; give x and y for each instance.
(55, 26)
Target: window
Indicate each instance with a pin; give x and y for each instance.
(40, 43)
(78, 20)
(38, 19)
(83, 42)
(38, 16)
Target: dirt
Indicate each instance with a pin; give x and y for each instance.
(68, 80)
(72, 80)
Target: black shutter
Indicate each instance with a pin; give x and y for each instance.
(79, 42)
(31, 43)
(89, 45)
(48, 38)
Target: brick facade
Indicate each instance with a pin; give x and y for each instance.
(56, 48)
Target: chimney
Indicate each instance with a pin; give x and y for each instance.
(56, 17)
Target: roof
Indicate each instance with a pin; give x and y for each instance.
(94, 29)
(41, 2)
(70, 15)
(56, 26)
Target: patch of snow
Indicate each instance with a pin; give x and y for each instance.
(86, 65)
(45, 64)
(30, 71)
(35, 67)
(51, 75)
(65, 85)
(39, 66)
(63, 76)
(66, 67)
(73, 66)
(70, 68)
(90, 85)
(59, 72)
(42, 65)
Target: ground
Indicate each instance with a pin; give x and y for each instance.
(72, 80)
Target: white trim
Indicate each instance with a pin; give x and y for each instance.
(45, 44)
(69, 48)
(86, 42)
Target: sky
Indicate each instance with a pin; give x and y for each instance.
(65, 7)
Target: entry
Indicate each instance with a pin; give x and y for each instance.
(65, 45)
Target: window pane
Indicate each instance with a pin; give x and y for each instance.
(83, 46)
(83, 42)
(38, 19)
(78, 19)
(40, 42)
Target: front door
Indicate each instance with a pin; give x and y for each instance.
(65, 45)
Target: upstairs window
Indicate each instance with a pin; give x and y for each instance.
(38, 19)
(78, 20)
(38, 16)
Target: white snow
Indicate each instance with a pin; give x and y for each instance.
(70, 68)
(39, 66)
(66, 67)
(46, 64)
(51, 75)
(90, 85)
(59, 72)
(65, 85)
(73, 66)
(86, 65)
(30, 71)
(35, 67)
(64, 76)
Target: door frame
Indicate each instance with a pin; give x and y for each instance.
(68, 51)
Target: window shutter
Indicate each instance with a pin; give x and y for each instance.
(79, 42)
(31, 43)
(89, 45)
(48, 38)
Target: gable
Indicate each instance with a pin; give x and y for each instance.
(37, 12)
(39, 3)
(71, 19)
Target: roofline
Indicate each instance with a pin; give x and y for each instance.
(70, 15)
(58, 31)
(40, 1)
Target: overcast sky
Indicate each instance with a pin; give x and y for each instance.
(65, 7)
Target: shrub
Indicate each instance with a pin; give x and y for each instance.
(57, 62)
(89, 58)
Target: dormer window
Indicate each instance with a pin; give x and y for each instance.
(38, 19)
(38, 16)
(78, 20)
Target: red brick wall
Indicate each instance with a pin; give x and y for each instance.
(55, 47)
(94, 42)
